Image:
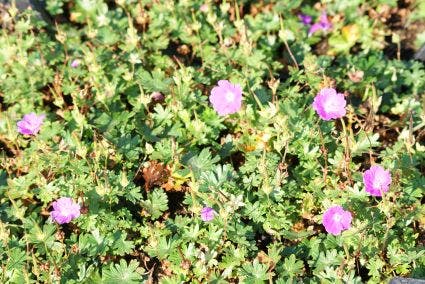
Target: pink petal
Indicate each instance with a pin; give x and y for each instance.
(314, 28)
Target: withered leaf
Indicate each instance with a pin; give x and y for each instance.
(155, 174)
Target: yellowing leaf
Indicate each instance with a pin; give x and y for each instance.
(351, 33)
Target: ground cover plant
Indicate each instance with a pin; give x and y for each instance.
(212, 141)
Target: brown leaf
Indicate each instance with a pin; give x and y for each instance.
(174, 185)
(84, 209)
(327, 82)
(75, 249)
(263, 257)
(60, 236)
(185, 264)
(356, 76)
(155, 174)
(166, 268)
(298, 227)
(183, 49)
(57, 84)
(45, 212)
(170, 186)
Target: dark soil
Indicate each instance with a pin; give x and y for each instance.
(175, 202)
(362, 271)
(262, 240)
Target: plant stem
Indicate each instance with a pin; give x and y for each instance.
(347, 157)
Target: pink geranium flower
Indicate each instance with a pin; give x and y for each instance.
(226, 98)
(207, 214)
(204, 8)
(376, 180)
(322, 25)
(65, 210)
(75, 63)
(336, 219)
(329, 104)
(305, 19)
(30, 123)
(157, 96)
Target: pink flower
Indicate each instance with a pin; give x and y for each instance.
(207, 214)
(329, 104)
(157, 96)
(204, 8)
(75, 63)
(226, 98)
(305, 19)
(336, 219)
(376, 180)
(65, 210)
(323, 24)
(30, 124)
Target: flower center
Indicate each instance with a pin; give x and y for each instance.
(378, 181)
(337, 217)
(229, 96)
(33, 125)
(330, 105)
(66, 210)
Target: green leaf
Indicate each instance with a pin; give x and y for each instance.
(123, 273)
(162, 248)
(375, 266)
(219, 176)
(16, 259)
(54, 7)
(203, 162)
(328, 259)
(120, 245)
(43, 238)
(291, 266)
(156, 203)
(364, 143)
(155, 81)
(255, 272)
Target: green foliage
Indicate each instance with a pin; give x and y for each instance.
(143, 165)
(254, 273)
(122, 273)
(156, 203)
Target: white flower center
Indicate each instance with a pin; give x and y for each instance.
(330, 105)
(337, 217)
(378, 181)
(229, 96)
(66, 211)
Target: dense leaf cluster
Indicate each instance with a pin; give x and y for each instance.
(142, 168)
